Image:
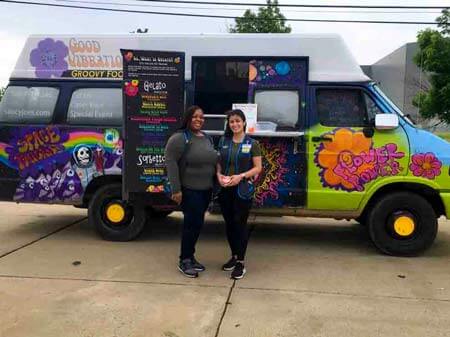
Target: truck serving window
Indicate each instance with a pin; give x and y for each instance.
(278, 106)
(219, 82)
(95, 106)
(28, 105)
(344, 107)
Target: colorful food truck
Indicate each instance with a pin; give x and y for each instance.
(333, 144)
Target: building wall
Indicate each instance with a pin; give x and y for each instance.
(390, 73)
(415, 81)
(401, 79)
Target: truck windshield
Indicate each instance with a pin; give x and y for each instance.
(392, 104)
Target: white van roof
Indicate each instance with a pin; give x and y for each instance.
(98, 56)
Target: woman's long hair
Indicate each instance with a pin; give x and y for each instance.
(187, 118)
(230, 113)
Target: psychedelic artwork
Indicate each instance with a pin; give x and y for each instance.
(276, 74)
(273, 173)
(280, 176)
(56, 166)
(282, 182)
(349, 161)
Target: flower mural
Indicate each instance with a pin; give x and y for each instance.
(425, 165)
(49, 58)
(349, 161)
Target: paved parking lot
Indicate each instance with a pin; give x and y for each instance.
(306, 277)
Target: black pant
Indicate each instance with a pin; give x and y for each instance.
(194, 205)
(235, 212)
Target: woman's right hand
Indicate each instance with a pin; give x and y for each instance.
(223, 180)
(177, 197)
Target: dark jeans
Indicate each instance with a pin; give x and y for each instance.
(194, 205)
(235, 212)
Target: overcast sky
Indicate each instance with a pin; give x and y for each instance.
(369, 42)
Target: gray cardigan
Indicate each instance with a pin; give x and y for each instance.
(190, 165)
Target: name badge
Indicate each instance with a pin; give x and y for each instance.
(246, 148)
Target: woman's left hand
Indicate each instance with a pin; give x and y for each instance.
(235, 179)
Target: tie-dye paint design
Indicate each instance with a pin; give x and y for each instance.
(273, 173)
(281, 175)
(349, 161)
(56, 166)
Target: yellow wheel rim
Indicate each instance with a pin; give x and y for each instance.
(115, 213)
(404, 226)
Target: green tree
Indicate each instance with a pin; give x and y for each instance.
(268, 20)
(2, 92)
(433, 57)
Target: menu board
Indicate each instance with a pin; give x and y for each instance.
(153, 92)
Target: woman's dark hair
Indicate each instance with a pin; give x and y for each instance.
(230, 113)
(187, 118)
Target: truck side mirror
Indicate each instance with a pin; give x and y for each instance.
(386, 121)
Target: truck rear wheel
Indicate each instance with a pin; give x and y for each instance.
(113, 218)
(402, 224)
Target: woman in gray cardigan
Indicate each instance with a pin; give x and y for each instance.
(191, 160)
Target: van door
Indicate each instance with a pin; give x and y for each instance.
(278, 87)
(346, 154)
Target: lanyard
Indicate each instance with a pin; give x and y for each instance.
(230, 147)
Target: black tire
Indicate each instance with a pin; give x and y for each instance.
(362, 219)
(382, 217)
(124, 230)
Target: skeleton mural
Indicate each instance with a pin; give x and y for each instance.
(82, 156)
(56, 166)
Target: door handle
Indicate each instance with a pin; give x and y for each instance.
(321, 139)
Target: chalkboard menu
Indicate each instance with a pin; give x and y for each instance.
(153, 92)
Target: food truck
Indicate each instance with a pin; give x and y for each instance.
(75, 129)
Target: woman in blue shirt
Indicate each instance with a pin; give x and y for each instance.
(240, 161)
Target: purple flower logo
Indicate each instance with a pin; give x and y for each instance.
(425, 165)
(48, 58)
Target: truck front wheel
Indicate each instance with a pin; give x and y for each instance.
(113, 218)
(402, 224)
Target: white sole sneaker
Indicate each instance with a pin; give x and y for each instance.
(240, 276)
(187, 275)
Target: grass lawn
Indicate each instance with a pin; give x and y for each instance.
(445, 135)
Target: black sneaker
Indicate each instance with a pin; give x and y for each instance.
(187, 268)
(197, 265)
(238, 271)
(230, 264)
